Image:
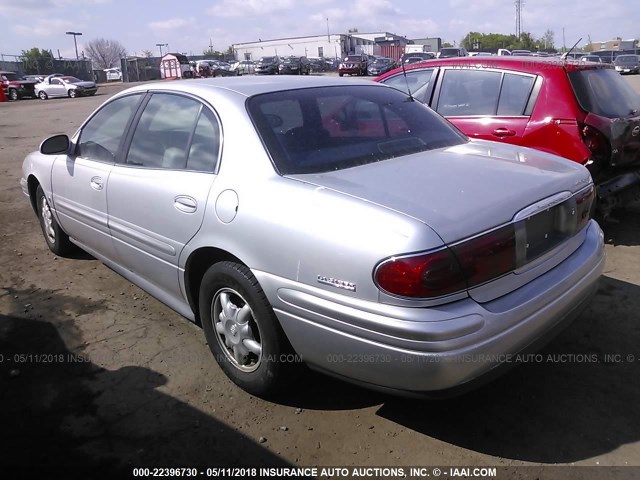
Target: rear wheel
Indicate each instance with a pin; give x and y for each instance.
(13, 94)
(242, 331)
(57, 241)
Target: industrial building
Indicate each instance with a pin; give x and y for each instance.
(327, 46)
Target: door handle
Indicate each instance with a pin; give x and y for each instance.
(503, 132)
(185, 203)
(96, 183)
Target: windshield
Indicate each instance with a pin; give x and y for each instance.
(449, 51)
(382, 61)
(268, 59)
(12, 77)
(627, 60)
(292, 60)
(324, 129)
(605, 93)
(353, 58)
(70, 79)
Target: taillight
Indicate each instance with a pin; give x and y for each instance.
(488, 256)
(584, 207)
(427, 275)
(449, 270)
(595, 141)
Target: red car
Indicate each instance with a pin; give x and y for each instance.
(585, 112)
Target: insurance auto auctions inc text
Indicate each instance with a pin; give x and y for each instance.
(377, 472)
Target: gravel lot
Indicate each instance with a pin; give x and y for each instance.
(96, 373)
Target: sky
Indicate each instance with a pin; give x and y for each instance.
(188, 26)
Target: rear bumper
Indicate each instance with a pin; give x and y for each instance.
(413, 350)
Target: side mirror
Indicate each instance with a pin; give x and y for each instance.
(55, 145)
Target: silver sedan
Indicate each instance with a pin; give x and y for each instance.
(64, 86)
(342, 225)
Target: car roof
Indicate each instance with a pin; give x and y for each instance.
(247, 86)
(522, 64)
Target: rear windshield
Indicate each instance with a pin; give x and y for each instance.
(323, 129)
(449, 51)
(605, 93)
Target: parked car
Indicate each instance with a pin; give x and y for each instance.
(244, 67)
(380, 66)
(268, 65)
(449, 52)
(521, 53)
(295, 66)
(590, 58)
(341, 221)
(318, 64)
(581, 111)
(15, 87)
(410, 60)
(627, 63)
(423, 55)
(113, 74)
(64, 86)
(354, 65)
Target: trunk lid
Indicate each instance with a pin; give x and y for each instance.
(459, 191)
(623, 135)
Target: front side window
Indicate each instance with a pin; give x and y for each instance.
(323, 129)
(175, 132)
(100, 137)
(415, 81)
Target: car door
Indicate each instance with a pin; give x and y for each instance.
(157, 195)
(486, 104)
(79, 181)
(56, 88)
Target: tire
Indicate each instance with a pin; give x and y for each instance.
(57, 240)
(249, 346)
(13, 94)
(73, 93)
(43, 95)
(340, 74)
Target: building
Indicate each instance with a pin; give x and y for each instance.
(328, 46)
(616, 45)
(433, 44)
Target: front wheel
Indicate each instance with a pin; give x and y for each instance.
(73, 93)
(242, 330)
(13, 94)
(57, 240)
(43, 95)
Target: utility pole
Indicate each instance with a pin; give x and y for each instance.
(75, 34)
(328, 36)
(519, 4)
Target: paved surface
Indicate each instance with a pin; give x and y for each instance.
(96, 373)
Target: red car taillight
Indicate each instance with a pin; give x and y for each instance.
(449, 270)
(595, 141)
(585, 203)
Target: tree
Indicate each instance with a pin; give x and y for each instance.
(32, 58)
(105, 53)
(446, 45)
(147, 53)
(547, 40)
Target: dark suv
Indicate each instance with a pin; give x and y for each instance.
(582, 111)
(268, 65)
(15, 87)
(354, 65)
(295, 66)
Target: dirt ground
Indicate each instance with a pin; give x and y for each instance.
(96, 374)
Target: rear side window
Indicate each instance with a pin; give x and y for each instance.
(323, 129)
(514, 94)
(604, 92)
(469, 92)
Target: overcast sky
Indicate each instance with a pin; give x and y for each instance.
(188, 25)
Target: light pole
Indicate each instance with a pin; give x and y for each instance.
(75, 34)
(160, 45)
